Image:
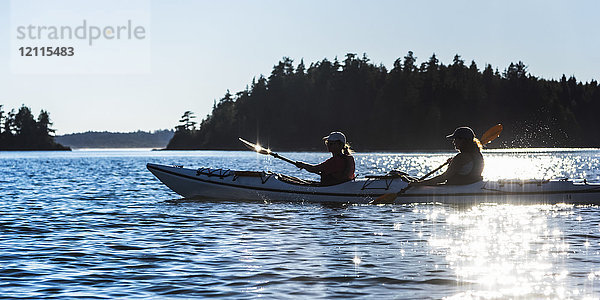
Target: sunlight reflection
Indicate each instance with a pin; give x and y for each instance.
(527, 166)
(356, 260)
(499, 164)
(509, 251)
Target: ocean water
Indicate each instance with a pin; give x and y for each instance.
(97, 224)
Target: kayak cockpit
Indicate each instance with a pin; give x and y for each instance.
(264, 176)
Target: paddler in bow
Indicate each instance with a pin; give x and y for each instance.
(337, 169)
(464, 168)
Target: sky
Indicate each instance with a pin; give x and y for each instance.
(192, 52)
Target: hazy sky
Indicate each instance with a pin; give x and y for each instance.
(193, 51)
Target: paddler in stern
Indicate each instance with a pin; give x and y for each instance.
(337, 169)
(464, 168)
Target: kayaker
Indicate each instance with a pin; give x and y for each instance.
(337, 169)
(464, 168)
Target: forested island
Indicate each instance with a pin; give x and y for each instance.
(138, 139)
(19, 130)
(411, 106)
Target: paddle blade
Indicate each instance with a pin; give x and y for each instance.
(262, 150)
(247, 144)
(491, 134)
(385, 199)
(255, 147)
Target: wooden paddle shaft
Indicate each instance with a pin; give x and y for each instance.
(282, 158)
(435, 170)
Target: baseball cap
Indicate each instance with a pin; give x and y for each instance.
(462, 133)
(336, 136)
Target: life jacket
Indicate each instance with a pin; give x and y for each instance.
(334, 173)
(469, 172)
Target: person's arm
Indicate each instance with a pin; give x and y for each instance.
(308, 167)
(433, 181)
(452, 169)
(317, 169)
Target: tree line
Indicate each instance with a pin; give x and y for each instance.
(410, 106)
(20, 130)
(138, 139)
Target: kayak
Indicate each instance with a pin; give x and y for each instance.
(225, 184)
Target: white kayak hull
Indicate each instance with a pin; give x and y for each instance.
(263, 186)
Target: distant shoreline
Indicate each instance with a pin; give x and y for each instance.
(29, 150)
(115, 149)
(117, 140)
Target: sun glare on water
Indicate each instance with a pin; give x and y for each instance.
(529, 165)
(507, 251)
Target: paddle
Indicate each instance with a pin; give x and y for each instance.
(490, 135)
(259, 149)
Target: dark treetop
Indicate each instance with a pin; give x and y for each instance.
(411, 106)
(21, 131)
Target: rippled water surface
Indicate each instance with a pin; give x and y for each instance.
(97, 224)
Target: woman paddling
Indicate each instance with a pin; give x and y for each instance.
(466, 167)
(337, 169)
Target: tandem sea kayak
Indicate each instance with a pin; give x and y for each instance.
(225, 184)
